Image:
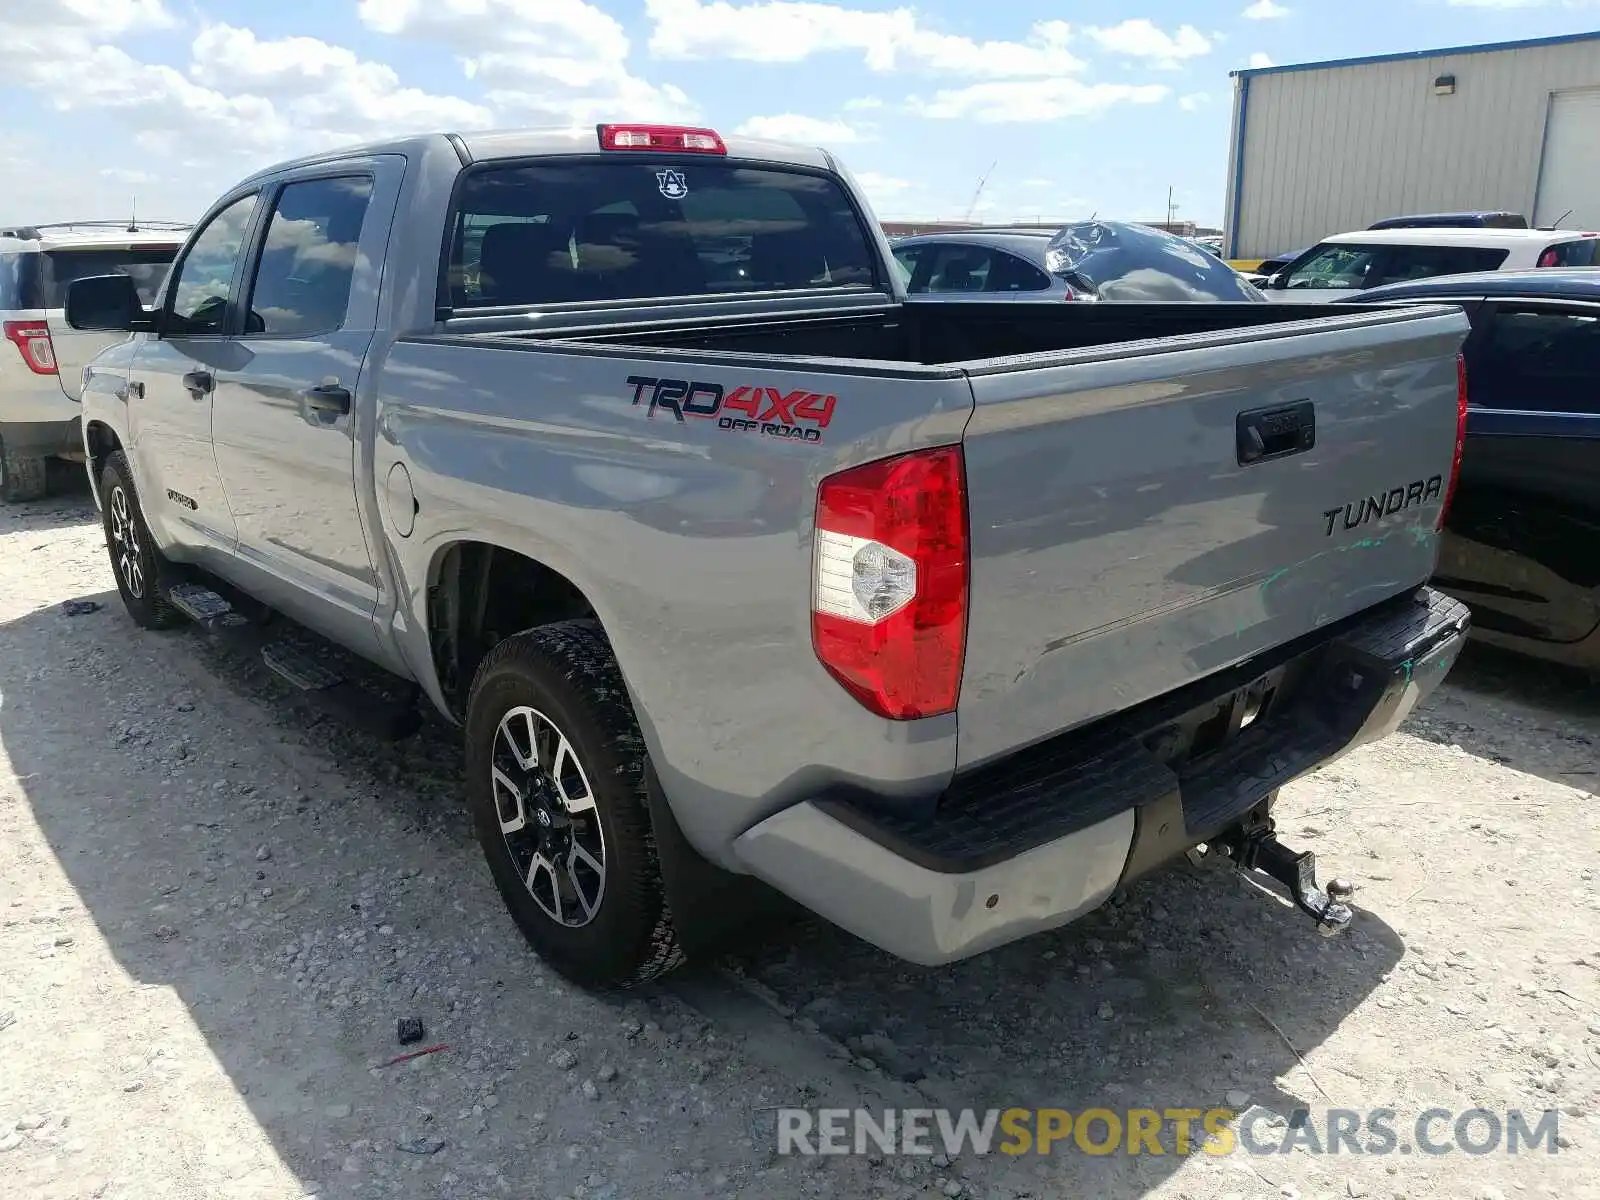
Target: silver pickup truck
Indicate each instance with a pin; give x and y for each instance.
(743, 575)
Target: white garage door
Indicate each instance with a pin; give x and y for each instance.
(1569, 177)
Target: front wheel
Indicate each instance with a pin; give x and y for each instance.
(556, 784)
(140, 568)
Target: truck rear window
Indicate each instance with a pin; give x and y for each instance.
(571, 232)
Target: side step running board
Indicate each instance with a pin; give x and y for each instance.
(390, 720)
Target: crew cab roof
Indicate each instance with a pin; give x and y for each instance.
(535, 143)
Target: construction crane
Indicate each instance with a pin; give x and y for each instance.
(978, 195)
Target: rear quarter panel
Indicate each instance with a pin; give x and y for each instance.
(692, 543)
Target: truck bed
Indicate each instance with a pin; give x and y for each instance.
(948, 334)
(1123, 544)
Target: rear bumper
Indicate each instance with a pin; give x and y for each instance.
(1040, 838)
(34, 400)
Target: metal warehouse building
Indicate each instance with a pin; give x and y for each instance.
(1324, 148)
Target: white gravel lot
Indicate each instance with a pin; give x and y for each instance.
(215, 906)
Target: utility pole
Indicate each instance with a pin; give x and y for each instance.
(1172, 212)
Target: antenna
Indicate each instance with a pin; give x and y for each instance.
(1561, 218)
(983, 179)
(133, 214)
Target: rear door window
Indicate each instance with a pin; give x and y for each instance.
(1538, 359)
(1008, 273)
(145, 265)
(957, 268)
(308, 263)
(1402, 263)
(574, 232)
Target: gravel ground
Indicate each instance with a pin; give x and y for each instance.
(215, 907)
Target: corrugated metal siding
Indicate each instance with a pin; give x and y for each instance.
(1328, 151)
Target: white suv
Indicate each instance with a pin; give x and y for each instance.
(41, 358)
(1350, 262)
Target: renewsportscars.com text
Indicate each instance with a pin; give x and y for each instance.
(1170, 1131)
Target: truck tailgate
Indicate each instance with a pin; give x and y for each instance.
(1146, 514)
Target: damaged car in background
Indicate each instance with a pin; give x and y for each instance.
(1113, 262)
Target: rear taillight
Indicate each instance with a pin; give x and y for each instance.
(32, 340)
(889, 594)
(1461, 438)
(674, 138)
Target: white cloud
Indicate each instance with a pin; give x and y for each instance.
(1258, 61)
(34, 34)
(325, 90)
(862, 104)
(792, 127)
(1035, 100)
(101, 19)
(1194, 101)
(160, 101)
(540, 60)
(1264, 10)
(558, 27)
(1140, 38)
(794, 30)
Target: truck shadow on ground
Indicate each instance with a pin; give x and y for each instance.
(1534, 716)
(1192, 987)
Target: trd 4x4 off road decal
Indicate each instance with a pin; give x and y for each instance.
(797, 414)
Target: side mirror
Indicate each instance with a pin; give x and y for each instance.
(106, 302)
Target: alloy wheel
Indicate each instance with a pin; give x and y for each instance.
(548, 816)
(125, 548)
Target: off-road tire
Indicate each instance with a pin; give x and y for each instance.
(22, 477)
(568, 672)
(146, 604)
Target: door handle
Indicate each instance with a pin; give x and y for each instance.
(1268, 433)
(199, 383)
(333, 398)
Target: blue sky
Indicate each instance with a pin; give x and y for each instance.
(1068, 107)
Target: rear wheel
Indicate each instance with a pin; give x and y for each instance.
(556, 784)
(140, 568)
(22, 476)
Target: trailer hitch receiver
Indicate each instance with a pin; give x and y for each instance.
(1258, 849)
